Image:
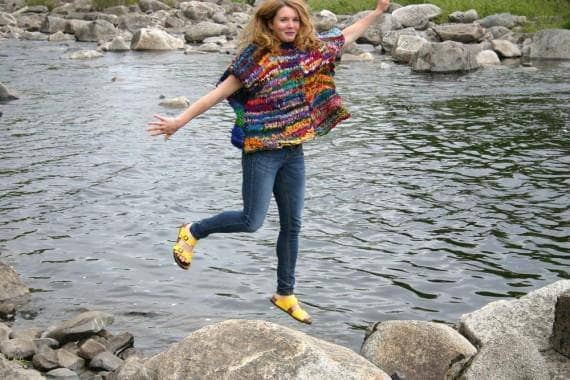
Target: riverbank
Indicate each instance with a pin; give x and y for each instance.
(408, 34)
(523, 338)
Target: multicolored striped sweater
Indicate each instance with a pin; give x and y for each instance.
(288, 98)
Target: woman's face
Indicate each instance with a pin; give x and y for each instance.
(285, 25)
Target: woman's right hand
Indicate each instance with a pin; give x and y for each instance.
(166, 126)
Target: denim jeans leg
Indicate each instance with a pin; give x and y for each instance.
(289, 191)
(258, 170)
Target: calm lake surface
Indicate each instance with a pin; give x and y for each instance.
(440, 195)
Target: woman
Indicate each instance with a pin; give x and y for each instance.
(282, 90)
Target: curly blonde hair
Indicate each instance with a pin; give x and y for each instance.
(258, 32)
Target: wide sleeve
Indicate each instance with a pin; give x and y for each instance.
(244, 67)
(333, 43)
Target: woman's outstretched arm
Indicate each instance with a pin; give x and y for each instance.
(167, 126)
(353, 32)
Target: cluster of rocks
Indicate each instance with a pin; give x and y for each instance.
(526, 338)
(408, 33)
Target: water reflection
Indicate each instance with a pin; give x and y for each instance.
(441, 194)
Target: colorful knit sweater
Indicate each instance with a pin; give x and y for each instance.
(287, 98)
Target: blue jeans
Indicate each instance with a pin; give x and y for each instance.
(281, 172)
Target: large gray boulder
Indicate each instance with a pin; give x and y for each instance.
(502, 19)
(203, 30)
(417, 349)
(551, 44)
(95, 31)
(416, 16)
(155, 39)
(445, 57)
(390, 38)
(507, 356)
(241, 349)
(407, 47)
(324, 20)
(200, 11)
(373, 34)
(12, 289)
(465, 33)
(506, 49)
(83, 325)
(464, 17)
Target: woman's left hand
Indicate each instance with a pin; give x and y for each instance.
(382, 5)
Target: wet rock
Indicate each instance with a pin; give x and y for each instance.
(62, 374)
(85, 54)
(178, 102)
(69, 360)
(53, 24)
(4, 332)
(105, 361)
(61, 37)
(46, 342)
(18, 348)
(507, 356)
(417, 349)
(83, 325)
(444, 57)
(551, 44)
(155, 39)
(120, 342)
(12, 289)
(218, 351)
(561, 330)
(13, 371)
(94, 31)
(91, 348)
(45, 359)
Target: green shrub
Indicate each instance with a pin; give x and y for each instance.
(50, 4)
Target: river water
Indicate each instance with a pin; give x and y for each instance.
(440, 195)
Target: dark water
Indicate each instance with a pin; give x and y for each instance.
(441, 194)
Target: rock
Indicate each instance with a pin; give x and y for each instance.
(551, 44)
(118, 44)
(324, 20)
(499, 31)
(30, 22)
(45, 359)
(407, 47)
(117, 10)
(66, 359)
(373, 34)
(85, 54)
(132, 369)
(155, 39)
(465, 33)
(61, 37)
(33, 36)
(444, 57)
(83, 325)
(29, 333)
(365, 56)
(13, 371)
(502, 19)
(119, 343)
(507, 356)
(561, 330)
(210, 47)
(506, 49)
(18, 348)
(531, 316)
(95, 31)
(464, 17)
(390, 38)
(46, 342)
(12, 289)
(416, 16)
(90, 348)
(4, 332)
(6, 19)
(200, 11)
(417, 349)
(105, 361)
(53, 24)
(203, 30)
(178, 102)
(270, 351)
(488, 58)
(135, 21)
(62, 374)
(152, 5)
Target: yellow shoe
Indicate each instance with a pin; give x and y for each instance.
(184, 247)
(290, 305)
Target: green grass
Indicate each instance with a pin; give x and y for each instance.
(541, 14)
